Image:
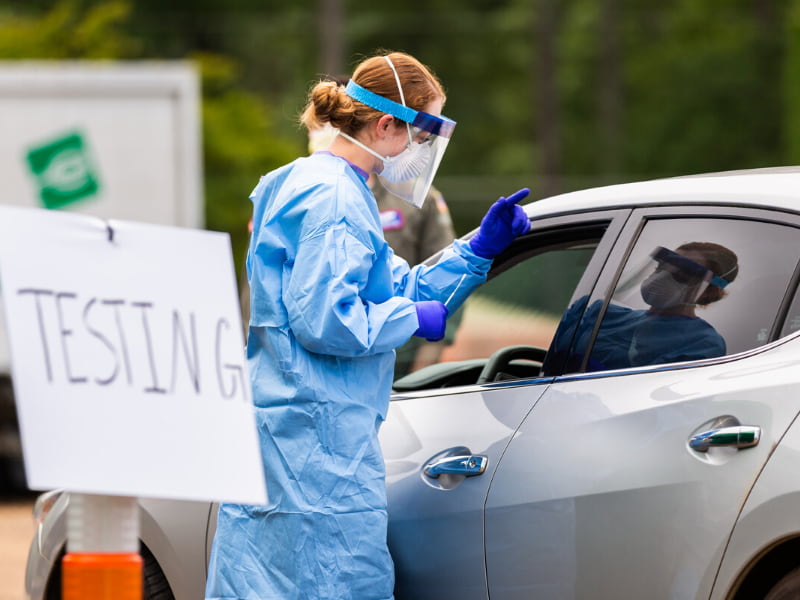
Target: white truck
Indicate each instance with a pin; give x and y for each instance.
(117, 140)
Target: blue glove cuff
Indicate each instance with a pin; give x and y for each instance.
(432, 318)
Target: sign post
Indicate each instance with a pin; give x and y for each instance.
(102, 560)
(129, 370)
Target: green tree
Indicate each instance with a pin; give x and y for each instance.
(67, 31)
(239, 143)
(552, 94)
(791, 77)
(241, 139)
(703, 89)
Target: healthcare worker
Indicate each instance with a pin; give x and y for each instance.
(329, 304)
(673, 285)
(414, 234)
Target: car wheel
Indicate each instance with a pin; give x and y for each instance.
(155, 585)
(787, 588)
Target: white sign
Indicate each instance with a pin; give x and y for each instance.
(116, 140)
(127, 357)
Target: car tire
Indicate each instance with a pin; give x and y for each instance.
(787, 588)
(155, 585)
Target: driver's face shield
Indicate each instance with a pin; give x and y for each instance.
(666, 279)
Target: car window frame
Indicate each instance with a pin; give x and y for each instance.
(542, 233)
(792, 295)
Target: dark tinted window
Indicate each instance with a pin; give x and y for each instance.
(693, 288)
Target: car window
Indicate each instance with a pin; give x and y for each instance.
(523, 301)
(505, 328)
(692, 288)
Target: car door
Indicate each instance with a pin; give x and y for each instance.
(445, 434)
(606, 490)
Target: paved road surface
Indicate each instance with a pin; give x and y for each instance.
(16, 531)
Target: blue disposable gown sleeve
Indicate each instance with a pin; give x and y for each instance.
(324, 293)
(451, 279)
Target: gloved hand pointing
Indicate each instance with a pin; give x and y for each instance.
(504, 221)
(432, 317)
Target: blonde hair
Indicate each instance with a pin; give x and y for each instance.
(328, 102)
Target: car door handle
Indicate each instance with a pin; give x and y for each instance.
(468, 466)
(739, 436)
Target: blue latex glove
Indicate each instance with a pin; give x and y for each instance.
(504, 221)
(432, 317)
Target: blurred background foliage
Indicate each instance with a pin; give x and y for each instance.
(553, 94)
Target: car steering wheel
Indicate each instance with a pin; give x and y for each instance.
(503, 357)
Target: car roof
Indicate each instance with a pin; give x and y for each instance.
(776, 188)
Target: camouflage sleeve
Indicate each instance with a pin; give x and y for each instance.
(437, 229)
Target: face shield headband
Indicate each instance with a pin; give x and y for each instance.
(665, 279)
(440, 126)
(414, 169)
(682, 266)
(677, 280)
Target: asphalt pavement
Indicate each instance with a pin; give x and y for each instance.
(16, 532)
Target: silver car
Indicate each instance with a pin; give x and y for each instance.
(616, 417)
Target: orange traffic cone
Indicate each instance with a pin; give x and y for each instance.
(102, 560)
(95, 576)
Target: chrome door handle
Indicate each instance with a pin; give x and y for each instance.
(739, 436)
(468, 466)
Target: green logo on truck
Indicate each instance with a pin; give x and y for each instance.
(63, 171)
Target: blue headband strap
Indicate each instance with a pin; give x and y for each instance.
(719, 281)
(441, 126)
(371, 99)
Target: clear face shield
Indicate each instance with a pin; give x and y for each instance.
(667, 280)
(408, 175)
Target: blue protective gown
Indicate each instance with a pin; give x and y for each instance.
(636, 338)
(632, 338)
(329, 304)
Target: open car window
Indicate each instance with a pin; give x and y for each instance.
(519, 307)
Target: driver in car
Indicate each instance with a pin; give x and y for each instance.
(693, 275)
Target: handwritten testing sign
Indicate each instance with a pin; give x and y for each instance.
(127, 358)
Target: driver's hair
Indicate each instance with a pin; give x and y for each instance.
(722, 261)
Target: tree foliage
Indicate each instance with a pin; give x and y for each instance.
(67, 31)
(240, 136)
(553, 94)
